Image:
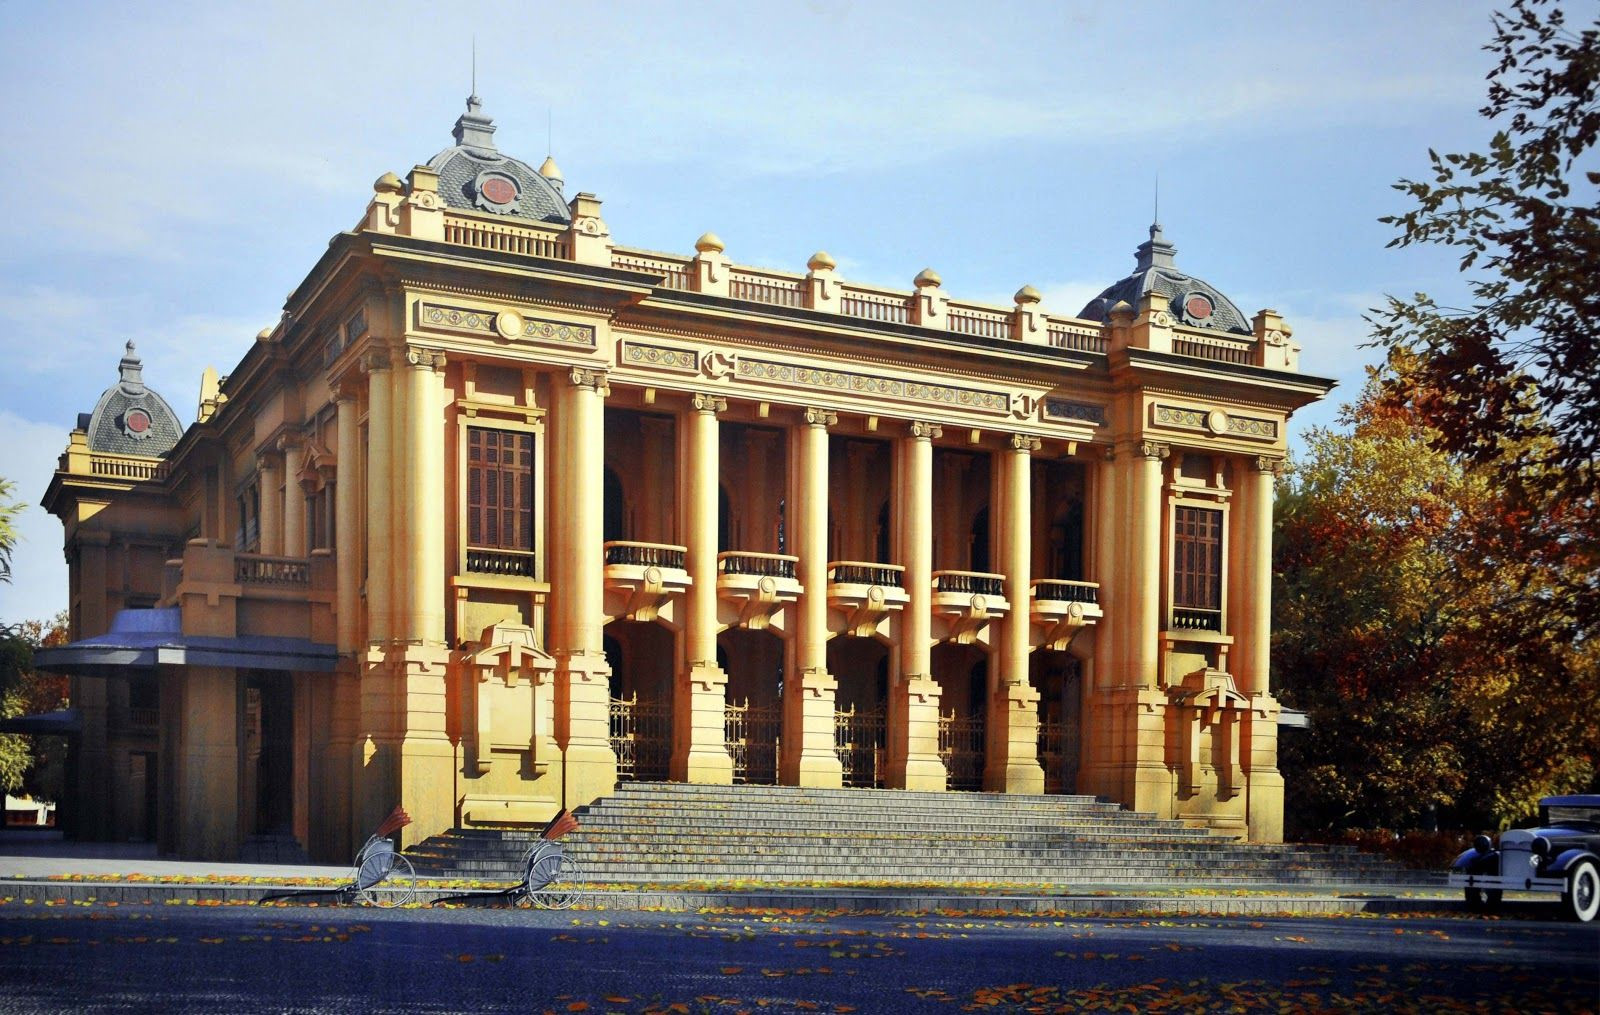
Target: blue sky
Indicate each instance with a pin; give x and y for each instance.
(174, 169)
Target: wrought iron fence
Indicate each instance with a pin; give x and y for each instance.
(752, 738)
(1058, 755)
(641, 736)
(961, 749)
(859, 738)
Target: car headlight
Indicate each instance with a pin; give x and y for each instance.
(1540, 846)
(1483, 844)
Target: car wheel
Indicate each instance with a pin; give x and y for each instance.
(1483, 900)
(1582, 897)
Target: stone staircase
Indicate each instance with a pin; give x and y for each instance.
(675, 834)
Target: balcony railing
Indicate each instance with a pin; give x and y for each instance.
(1220, 350)
(969, 582)
(1079, 338)
(674, 274)
(773, 289)
(510, 239)
(645, 554)
(124, 468)
(965, 320)
(1061, 590)
(143, 718)
(873, 306)
(856, 572)
(509, 563)
(761, 565)
(1186, 618)
(283, 572)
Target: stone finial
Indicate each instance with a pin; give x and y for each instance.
(709, 243)
(388, 183)
(1121, 312)
(1027, 294)
(927, 278)
(820, 261)
(473, 128)
(264, 335)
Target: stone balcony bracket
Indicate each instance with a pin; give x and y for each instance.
(862, 596)
(1060, 610)
(644, 581)
(964, 602)
(754, 588)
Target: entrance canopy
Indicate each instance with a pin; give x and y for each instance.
(150, 638)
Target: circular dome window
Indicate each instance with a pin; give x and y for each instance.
(496, 192)
(1197, 308)
(136, 424)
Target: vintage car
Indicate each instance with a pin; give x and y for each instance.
(1561, 855)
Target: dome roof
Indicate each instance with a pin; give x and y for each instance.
(131, 419)
(475, 176)
(1193, 302)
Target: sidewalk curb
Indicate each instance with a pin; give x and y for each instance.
(26, 891)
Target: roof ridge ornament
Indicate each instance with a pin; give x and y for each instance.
(474, 129)
(1155, 252)
(131, 369)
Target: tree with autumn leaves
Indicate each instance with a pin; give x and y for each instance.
(1428, 621)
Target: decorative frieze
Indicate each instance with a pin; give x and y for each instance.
(653, 356)
(505, 324)
(1074, 412)
(1213, 421)
(800, 375)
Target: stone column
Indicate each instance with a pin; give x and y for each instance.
(577, 577)
(1012, 761)
(699, 751)
(208, 766)
(913, 734)
(347, 522)
(1144, 600)
(269, 480)
(1250, 618)
(294, 505)
(378, 579)
(809, 758)
(420, 541)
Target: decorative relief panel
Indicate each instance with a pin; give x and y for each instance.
(775, 372)
(1214, 421)
(506, 324)
(660, 357)
(1074, 412)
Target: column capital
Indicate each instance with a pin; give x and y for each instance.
(346, 387)
(375, 359)
(820, 417)
(587, 377)
(291, 439)
(1267, 463)
(924, 431)
(1153, 450)
(712, 404)
(268, 460)
(1025, 442)
(427, 359)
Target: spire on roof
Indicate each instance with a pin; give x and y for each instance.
(1155, 252)
(473, 128)
(132, 370)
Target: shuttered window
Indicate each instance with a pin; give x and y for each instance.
(1197, 559)
(499, 489)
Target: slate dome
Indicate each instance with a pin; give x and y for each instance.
(476, 176)
(1193, 302)
(131, 419)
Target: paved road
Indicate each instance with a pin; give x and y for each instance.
(244, 959)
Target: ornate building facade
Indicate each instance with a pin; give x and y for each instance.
(502, 512)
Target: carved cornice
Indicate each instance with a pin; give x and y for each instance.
(925, 431)
(713, 404)
(1025, 442)
(821, 417)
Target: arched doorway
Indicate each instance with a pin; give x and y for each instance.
(641, 658)
(753, 713)
(963, 675)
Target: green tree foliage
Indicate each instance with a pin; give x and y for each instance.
(9, 511)
(1512, 381)
(30, 763)
(1427, 622)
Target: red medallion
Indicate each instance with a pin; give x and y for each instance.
(499, 189)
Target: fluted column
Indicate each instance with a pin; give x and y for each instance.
(699, 751)
(809, 758)
(1012, 756)
(913, 735)
(347, 524)
(583, 676)
(294, 505)
(269, 480)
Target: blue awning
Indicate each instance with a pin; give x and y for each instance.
(62, 722)
(146, 639)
